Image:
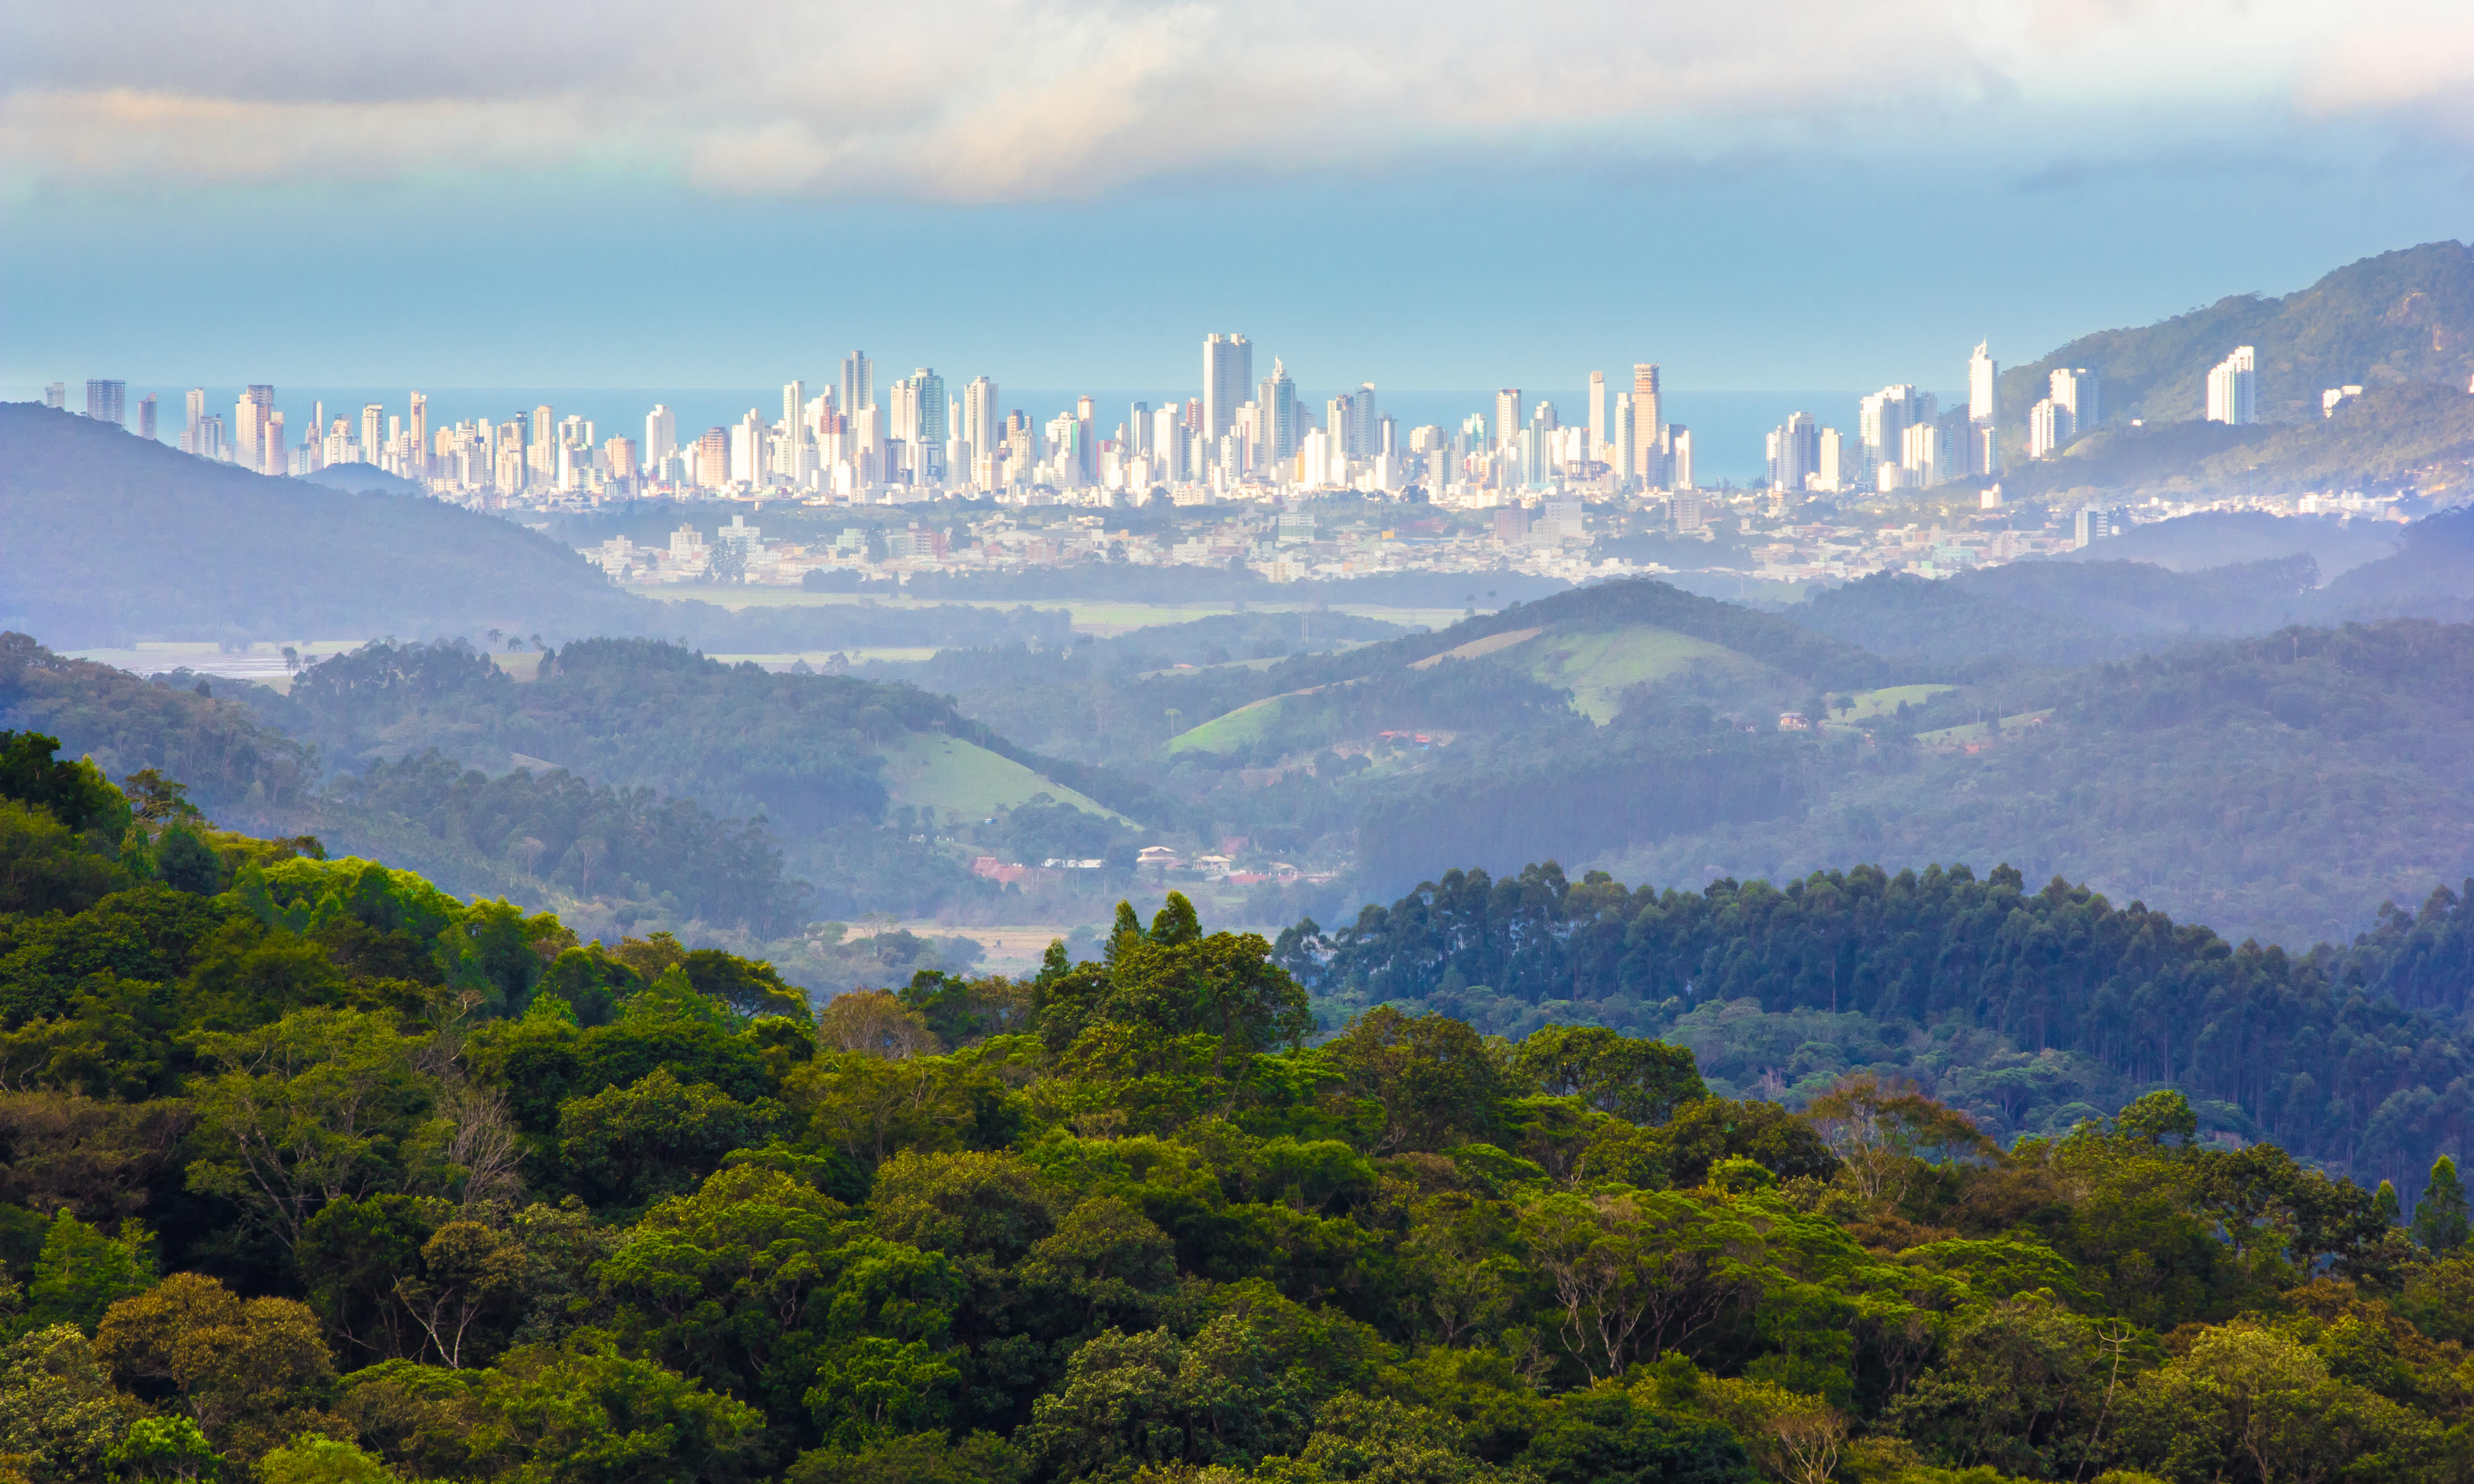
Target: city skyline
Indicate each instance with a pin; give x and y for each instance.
(1042, 192)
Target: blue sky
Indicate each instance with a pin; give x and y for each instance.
(1789, 194)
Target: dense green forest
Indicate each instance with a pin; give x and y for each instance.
(2026, 1009)
(315, 1174)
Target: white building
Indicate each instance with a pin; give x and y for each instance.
(2233, 388)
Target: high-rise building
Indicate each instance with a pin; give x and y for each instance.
(1920, 454)
(374, 436)
(1831, 470)
(1338, 424)
(1678, 455)
(1648, 420)
(1598, 416)
(1365, 423)
(660, 434)
(1507, 415)
(195, 423)
(1795, 452)
(1168, 444)
(2083, 392)
(146, 417)
(56, 397)
(417, 454)
(1228, 378)
(2050, 426)
(982, 427)
(541, 448)
(1619, 442)
(1983, 411)
(618, 459)
(1883, 419)
(2233, 388)
(106, 401)
(1277, 398)
(713, 458)
(858, 382)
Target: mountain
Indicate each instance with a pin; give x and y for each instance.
(2406, 316)
(363, 479)
(105, 539)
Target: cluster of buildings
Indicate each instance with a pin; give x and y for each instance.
(1244, 437)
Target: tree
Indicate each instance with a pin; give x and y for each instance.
(310, 1459)
(250, 1373)
(876, 1022)
(1641, 1081)
(1636, 1274)
(582, 1413)
(60, 1415)
(655, 1137)
(1885, 1135)
(312, 1109)
(1429, 1080)
(2440, 1219)
(83, 1272)
(76, 793)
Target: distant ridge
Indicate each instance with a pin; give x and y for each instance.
(2397, 317)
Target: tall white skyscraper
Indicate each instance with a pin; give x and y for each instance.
(1227, 380)
(417, 424)
(1276, 403)
(373, 432)
(1679, 442)
(108, 401)
(1597, 415)
(1795, 452)
(661, 435)
(2233, 388)
(1882, 420)
(1618, 440)
(190, 442)
(1983, 411)
(2083, 392)
(983, 426)
(858, 382)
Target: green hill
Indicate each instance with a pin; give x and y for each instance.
(2400, 317)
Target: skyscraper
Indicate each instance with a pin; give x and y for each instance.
(1679, 442)
(541, 450)
(417, 456)
(146, 417)
(1795, 452)
(2233, 388)
(1882, 420)
(1618, 442)
(1507, 415)
(1983, 411)
(982, 428)
(195, 424)
(1277, 400)
(374, 436)
(858, 382)
(1598, 414)
(660, 434)
(106, 401)
(1365, 423)
(2083, 392)
(1648, 420)
(1228, 375)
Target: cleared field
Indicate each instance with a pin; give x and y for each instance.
(1979, 731)
(1598, 668)
(963, 780)
(1240, 727)
(1478, 648)
(1885, 701)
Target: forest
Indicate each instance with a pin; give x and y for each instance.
(315, 1173)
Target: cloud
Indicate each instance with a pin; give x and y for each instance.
(1026, 100)
(2418, 66)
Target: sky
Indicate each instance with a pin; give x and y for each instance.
(1762, 195)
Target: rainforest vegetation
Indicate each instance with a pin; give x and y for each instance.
(316, 1173)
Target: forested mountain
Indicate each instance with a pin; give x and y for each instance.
(106, 538)
(2279, 787)
(314, 1174)
(2397, 317)
(2028, 1008)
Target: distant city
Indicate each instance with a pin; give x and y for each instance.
(1546, 475)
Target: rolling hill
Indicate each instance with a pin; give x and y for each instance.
(2406, 316)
